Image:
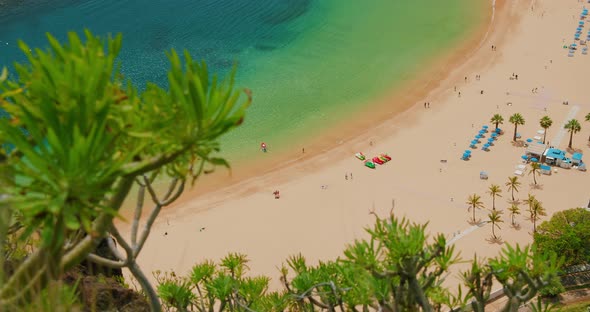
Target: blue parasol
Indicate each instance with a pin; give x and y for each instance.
(534, 159)
(529, 140)
(525, 157)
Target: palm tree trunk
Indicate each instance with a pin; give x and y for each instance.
(515, 128)
(494, 203)
(535, 176)
(493, 232)
(512, 219)
(473, 213)
(571, 137)
(512, 194)
(544, 136)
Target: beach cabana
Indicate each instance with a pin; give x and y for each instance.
(545, 169)
(554, 156)
(483, 175)
(577, 159)
(536, 150)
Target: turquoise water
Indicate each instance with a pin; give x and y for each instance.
(309, 63)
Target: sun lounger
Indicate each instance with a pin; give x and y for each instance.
(521, 167)
(518, 173)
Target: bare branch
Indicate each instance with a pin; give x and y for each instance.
(114, 250)
(152, 218)
(137, 214)
(113, 264)
(147, 287)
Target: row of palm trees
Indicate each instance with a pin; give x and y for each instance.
(535, 207)
(573, 125)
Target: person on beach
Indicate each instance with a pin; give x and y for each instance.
(346, 176)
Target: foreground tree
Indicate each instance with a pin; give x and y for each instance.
(80, 139)
(545, 123)
(516, 120)
(567, 233)
(474, 202)
(572, 126)
(497, 120)
(513, 184)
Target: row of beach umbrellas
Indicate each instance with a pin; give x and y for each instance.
(480, 135)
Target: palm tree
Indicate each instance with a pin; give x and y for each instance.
(516, 120)
(474, 202)
(513, 184)
(573, 126)
(494, 191)
(530, 201)
(514, 210)
(535, 167)
(495, 218)
(537, 211)
(545, 122)
(497, 119)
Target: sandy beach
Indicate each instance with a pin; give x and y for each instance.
(320, 211)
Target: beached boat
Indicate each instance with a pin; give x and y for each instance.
(385, 157)
(360, 156)
(370, 164)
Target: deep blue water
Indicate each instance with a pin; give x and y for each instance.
(215, 30)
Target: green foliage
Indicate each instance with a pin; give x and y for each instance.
(81, 136)
(567, 234)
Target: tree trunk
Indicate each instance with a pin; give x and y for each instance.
(473, 214)
(544, 136)
(512, 194)
(515, 128)
(494, 202)
(535, 176)
(571, 137)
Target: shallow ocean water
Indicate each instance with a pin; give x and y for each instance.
(309, 63)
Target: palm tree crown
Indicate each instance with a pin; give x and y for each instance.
(545, 123)
(516, 120)
(495, 218)
(497, 119)
(573, 126)
(513, 184)
(494, 191)
(514, 210)
(474, 202)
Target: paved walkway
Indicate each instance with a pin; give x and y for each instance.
(465, 232)
(562, 131)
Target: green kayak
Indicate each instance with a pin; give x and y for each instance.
(370, 164)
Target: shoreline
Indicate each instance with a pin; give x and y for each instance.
(431, 79)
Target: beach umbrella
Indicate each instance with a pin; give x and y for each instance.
(525, 157)
(491, 140)
(494, 135)
(482, 131)
(479, 136)
(487, 145)
(529, 140)
(468, 151)
(485, 127)
(498, 130)
(581, 23)
(474, 142)
(534, 159)
(574, 45)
